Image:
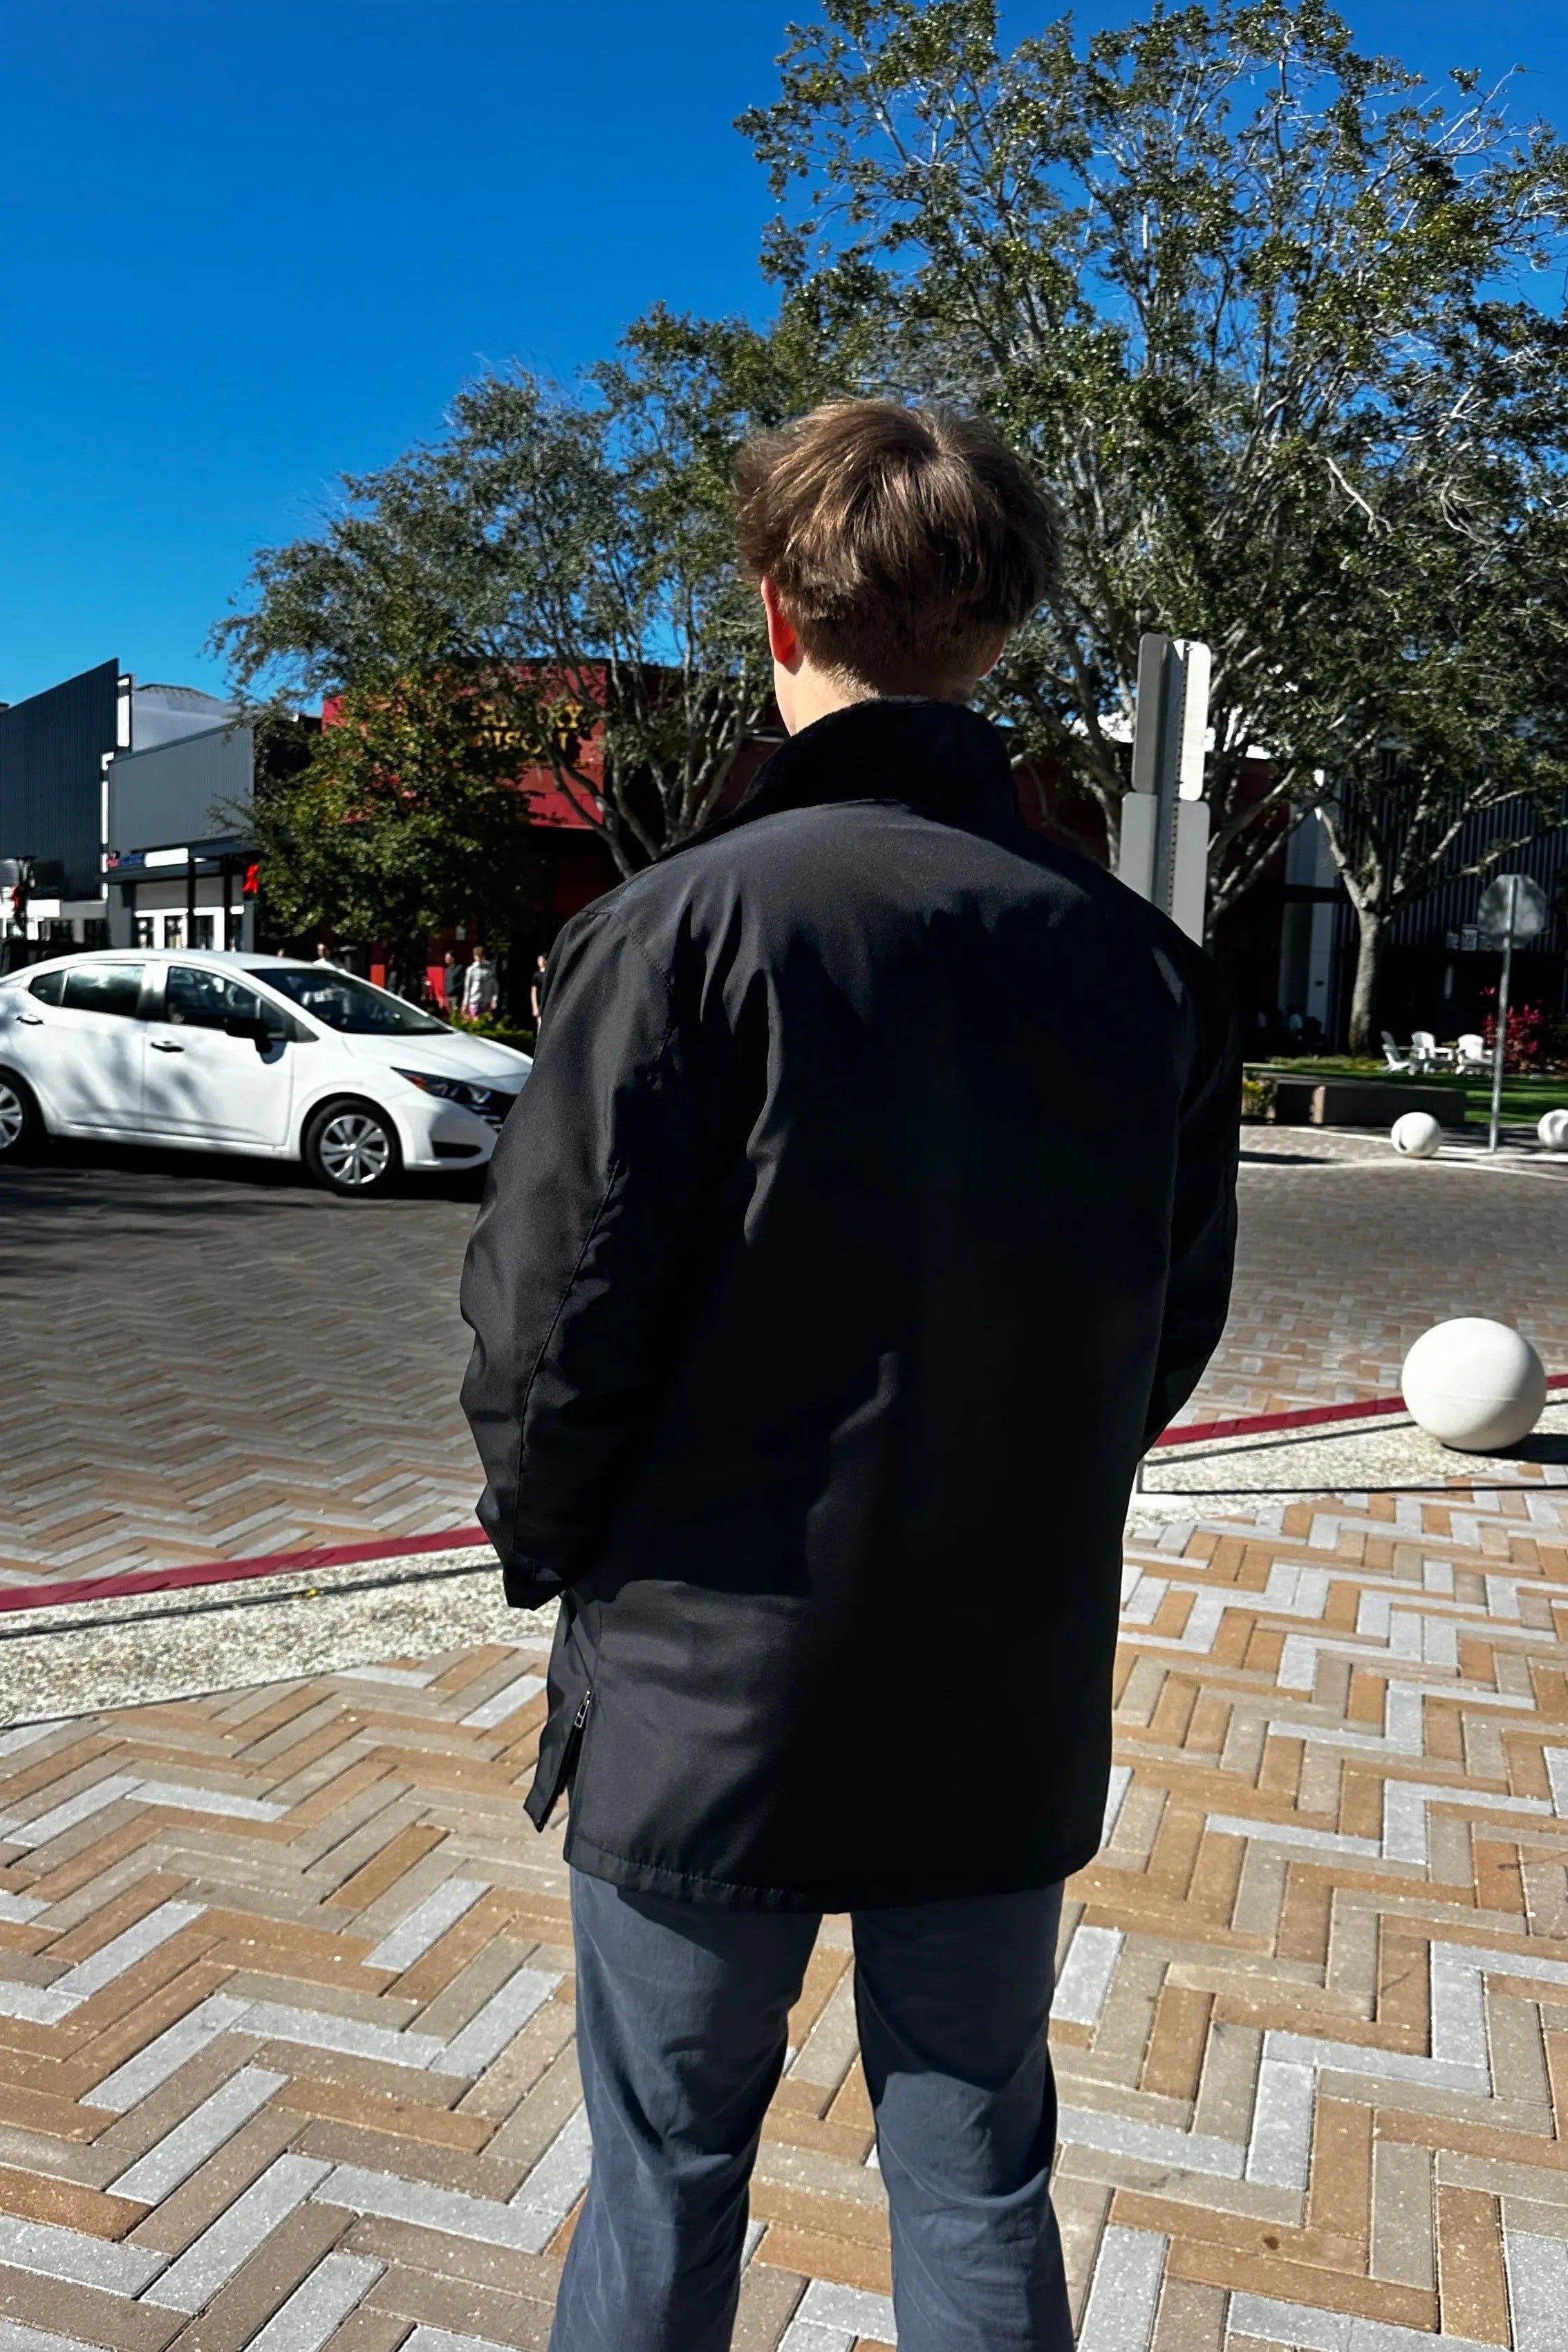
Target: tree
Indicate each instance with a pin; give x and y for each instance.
(1456, 751)
(406, 817)
(574, 555)
(1214, 271)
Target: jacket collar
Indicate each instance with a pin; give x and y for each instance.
(940, 758)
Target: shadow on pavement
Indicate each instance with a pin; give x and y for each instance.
(1544, 1445)
(126, 1189)
(59, 1156)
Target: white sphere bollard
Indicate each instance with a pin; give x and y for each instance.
(1417, 1135)
(1553, 1129)
(1474, 1384)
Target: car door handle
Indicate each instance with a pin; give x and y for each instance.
(31, 1019)
(166, 1045)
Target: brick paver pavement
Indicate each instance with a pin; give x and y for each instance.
(285, 2001)
(199, 1366)
(203, 1364)
(1342, 1265)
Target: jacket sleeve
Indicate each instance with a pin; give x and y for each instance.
(1203, 1223)
(577, 1255)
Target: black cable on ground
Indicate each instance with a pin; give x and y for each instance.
(233, 1599)
(1352, 1487)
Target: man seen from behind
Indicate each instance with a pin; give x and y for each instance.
(869, 1211)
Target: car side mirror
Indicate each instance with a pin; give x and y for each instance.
(260, 1033)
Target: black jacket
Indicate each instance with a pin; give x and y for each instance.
(869, 1210)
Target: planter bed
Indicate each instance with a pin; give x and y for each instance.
(1301, 1099)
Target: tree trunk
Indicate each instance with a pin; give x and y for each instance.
(1372, 931)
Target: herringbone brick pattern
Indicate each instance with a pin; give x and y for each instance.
(198, 1367)
(285, 1997)
(1340, 1268)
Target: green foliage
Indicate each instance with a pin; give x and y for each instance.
(404, 818)
(1259, 305)
(502, 1030)
(1282, 327)
(577, 554)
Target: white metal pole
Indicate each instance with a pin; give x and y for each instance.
(1163, 851)
(1501, 1046)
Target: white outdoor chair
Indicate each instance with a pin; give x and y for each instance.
(1395, 1057)
(1471, 1053)
(1424, 1053)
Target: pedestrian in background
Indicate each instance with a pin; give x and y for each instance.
(481, 988)
(536, 987)
(869, 1211)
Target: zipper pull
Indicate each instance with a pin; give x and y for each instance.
(581, 1718)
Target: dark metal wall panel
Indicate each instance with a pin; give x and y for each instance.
(195, 790)
(51, 775)
(1452, 906)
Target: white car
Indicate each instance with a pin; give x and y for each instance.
(253, 1054)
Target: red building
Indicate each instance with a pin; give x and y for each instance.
(577, 865)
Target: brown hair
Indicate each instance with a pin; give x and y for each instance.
(901, 540)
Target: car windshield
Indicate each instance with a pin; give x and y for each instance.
(341, 1000)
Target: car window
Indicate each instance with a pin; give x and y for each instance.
(103, 988)
(341, 1000)
(48, 987)
(207, 999)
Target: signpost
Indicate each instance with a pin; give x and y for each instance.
(1165, 818)
(1512, 908)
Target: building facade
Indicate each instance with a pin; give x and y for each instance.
(124, 822)
(179, 867)
(61, 806)
(1439, 970)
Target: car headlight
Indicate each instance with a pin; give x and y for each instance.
(489, 1102)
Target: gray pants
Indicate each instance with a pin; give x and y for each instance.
(682, 2014)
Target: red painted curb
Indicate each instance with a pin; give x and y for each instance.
(13, 1598)
(229, 1572)
(1198, 1432)
(1308, 1417)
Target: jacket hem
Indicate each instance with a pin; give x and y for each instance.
(529, 1584)
(732, 1894)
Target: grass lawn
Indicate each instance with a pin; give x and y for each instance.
(1523, 1099)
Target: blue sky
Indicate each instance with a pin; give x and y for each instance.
(246, 244)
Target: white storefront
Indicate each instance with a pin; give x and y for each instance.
(177, 861)
(172, 914)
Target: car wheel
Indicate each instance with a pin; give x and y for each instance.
(351, 1148)
(19, 1120)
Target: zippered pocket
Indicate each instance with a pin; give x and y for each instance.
(542, 1802)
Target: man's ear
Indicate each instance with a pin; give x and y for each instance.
(989, 663)
(783, 643)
